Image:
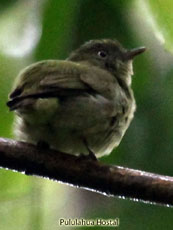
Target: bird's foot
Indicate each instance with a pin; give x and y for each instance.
(89, 157)
(92, 156)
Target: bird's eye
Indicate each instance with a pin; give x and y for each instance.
(102, 54)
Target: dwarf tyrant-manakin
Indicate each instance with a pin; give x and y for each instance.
(80, 105)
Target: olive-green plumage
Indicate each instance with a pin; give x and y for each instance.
(79, 104)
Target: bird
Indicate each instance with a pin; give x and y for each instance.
(81, 105)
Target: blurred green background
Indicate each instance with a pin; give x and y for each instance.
(36, 30)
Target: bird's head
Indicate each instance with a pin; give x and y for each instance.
(109, 55)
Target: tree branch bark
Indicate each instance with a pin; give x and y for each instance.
(92, 175)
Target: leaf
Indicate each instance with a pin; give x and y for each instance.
(162, 15)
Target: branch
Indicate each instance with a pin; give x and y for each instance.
(92, 175)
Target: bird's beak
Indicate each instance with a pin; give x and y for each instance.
(130, 54)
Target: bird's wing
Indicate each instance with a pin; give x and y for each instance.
(47, 79)
(101, 81)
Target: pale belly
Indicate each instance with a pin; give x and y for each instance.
(96, 120)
